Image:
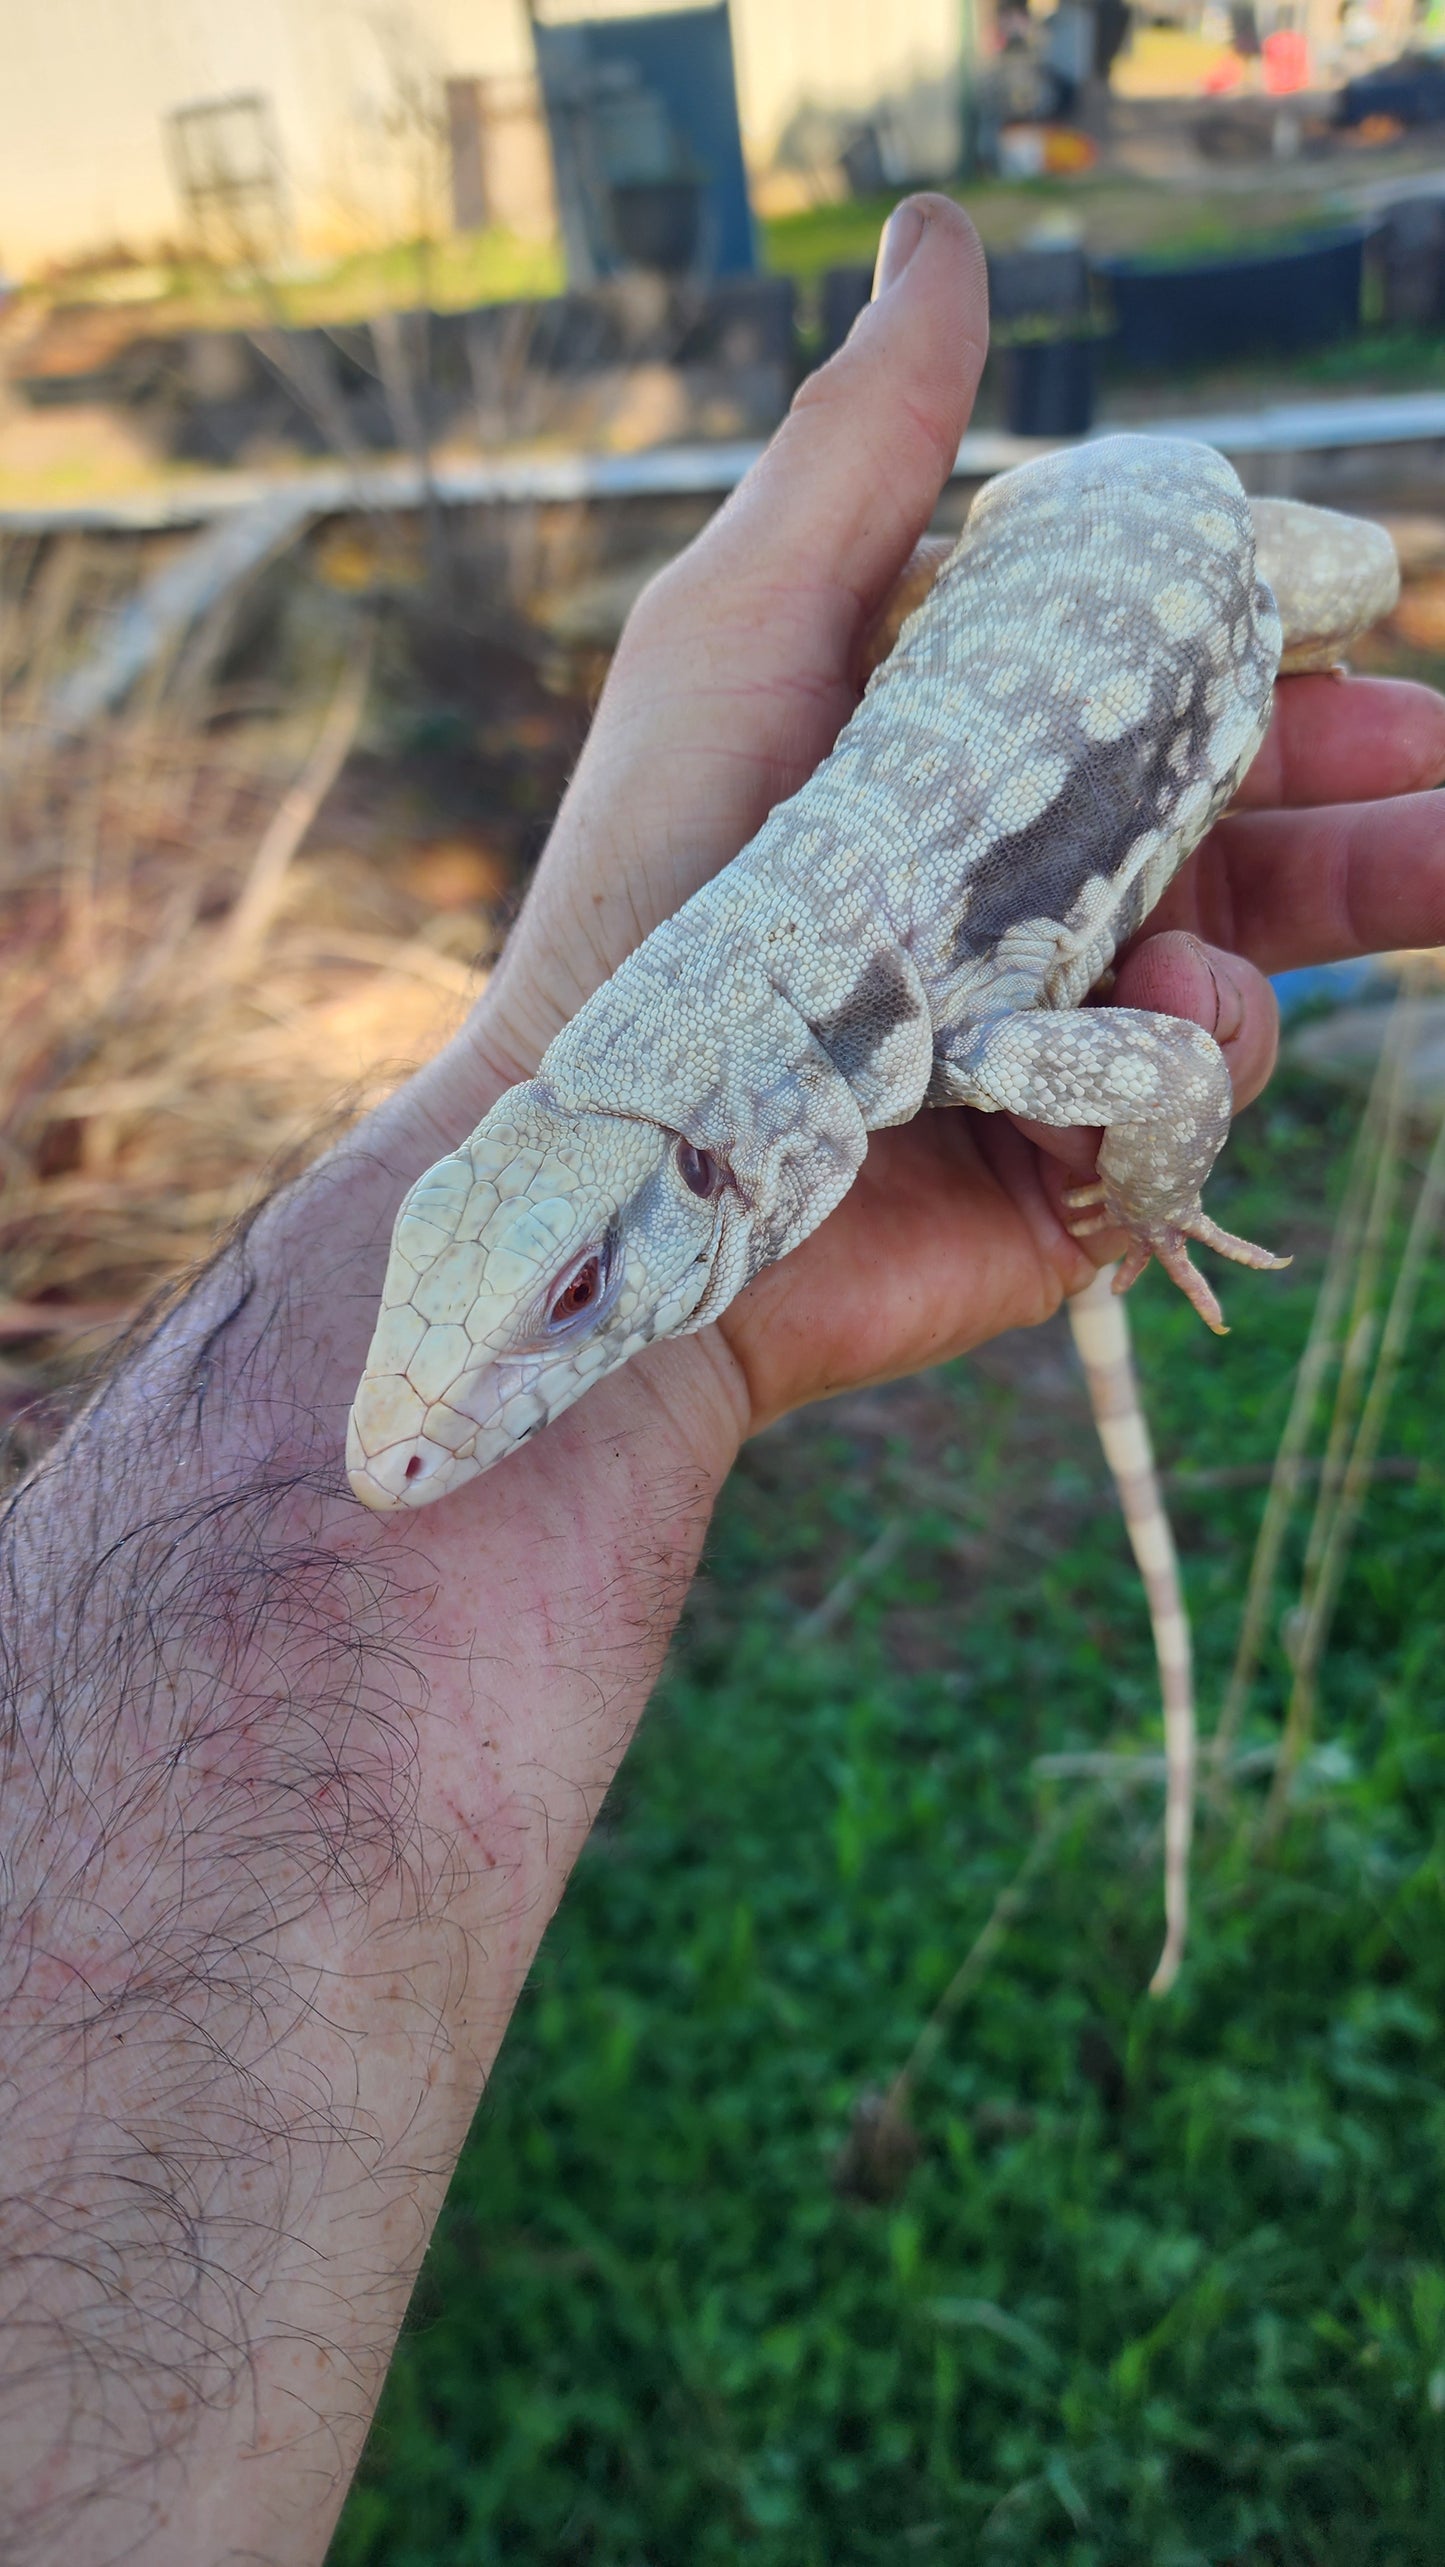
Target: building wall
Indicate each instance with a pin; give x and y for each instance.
(838, 55)
(87, 85)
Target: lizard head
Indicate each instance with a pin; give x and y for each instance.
(544, 1252)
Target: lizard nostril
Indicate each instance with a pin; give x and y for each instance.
(414, 1465)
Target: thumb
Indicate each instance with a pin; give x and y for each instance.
(835, 505)
(737, 667)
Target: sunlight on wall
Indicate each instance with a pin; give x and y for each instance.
(352, 92)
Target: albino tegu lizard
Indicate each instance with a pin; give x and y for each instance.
(1063, 717)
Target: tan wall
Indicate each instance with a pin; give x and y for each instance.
(835, 54)
(85, 86)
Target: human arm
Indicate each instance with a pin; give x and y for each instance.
(292, 1791)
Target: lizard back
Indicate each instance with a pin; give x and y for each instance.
(1059, 723)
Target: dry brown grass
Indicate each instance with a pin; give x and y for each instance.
(157, 1065)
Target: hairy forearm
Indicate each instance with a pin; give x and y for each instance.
(290, 1792)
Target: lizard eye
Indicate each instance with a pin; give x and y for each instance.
(700, 1172)
(578, 1289)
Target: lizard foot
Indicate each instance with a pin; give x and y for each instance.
(1168, 1241)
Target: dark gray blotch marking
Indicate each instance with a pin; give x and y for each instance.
(1114, 791)
(882, 1000)
(797, 1170)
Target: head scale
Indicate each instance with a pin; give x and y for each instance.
(540, 1255)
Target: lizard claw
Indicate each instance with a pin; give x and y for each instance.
(1099, 1203)
(1168, 1241)
(1168, 1246)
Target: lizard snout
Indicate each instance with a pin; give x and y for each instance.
(416, 1435)
(391, 1460)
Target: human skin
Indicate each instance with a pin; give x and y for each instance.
(291, 1790)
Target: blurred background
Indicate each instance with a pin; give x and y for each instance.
(840, 2197)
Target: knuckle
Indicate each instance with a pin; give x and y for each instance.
(661, 618)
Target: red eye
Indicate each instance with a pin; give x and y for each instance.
(698, 1169)
(582, 1289)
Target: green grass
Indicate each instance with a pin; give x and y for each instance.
(1166, 2284)
(458, 272)
(450, 275)
(1115, 214)
(1378, 360)
(1411, 358)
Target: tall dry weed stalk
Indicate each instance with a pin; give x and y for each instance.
(1359, 1332)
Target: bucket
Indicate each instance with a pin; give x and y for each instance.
(1049, 387)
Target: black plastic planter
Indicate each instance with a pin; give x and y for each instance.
(1049, 387)
(1412, 89)
(1291, 299)
(845, 293)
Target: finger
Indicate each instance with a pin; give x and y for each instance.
(969, 1213)
(1288, 888)
(1176, 974)
(752, 638)
(946, 1237)
(1347, 739)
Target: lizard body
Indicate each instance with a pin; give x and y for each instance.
(1060, 722)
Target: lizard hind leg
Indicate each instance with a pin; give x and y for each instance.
(1161, 1089)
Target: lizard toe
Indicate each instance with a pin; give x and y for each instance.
(1168, 1241)
(1242, 1252)
(1174, 1257)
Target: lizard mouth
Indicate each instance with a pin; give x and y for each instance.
(404, 1451)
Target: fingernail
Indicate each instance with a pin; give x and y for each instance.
(901, 235)
(1229, 999)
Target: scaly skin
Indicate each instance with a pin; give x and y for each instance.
(1061, 721)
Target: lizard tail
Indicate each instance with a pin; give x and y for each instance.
(1100, 1327)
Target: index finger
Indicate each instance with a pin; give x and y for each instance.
(1294, 887)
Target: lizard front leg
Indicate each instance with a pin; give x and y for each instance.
(1160, 1088)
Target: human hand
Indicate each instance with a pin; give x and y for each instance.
(731, 683)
